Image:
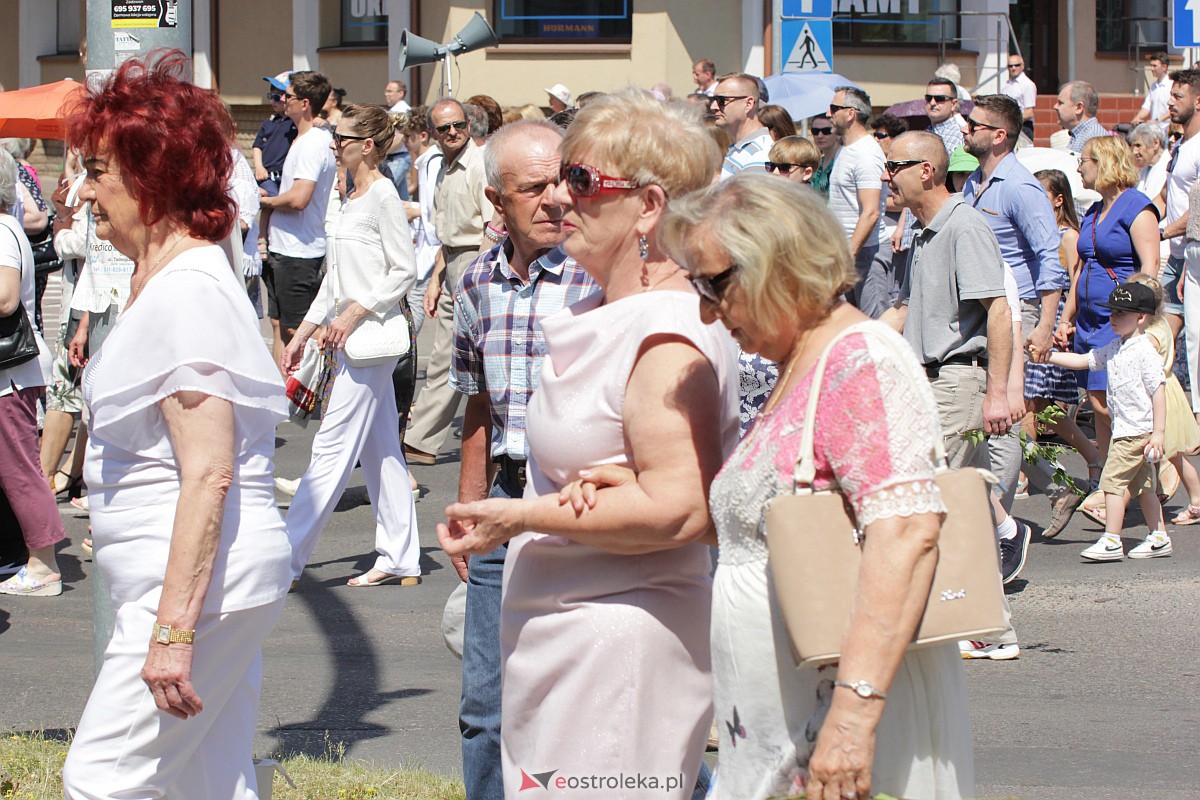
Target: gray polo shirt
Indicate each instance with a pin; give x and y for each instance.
(955, 263)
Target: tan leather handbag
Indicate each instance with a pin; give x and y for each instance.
(815, 551)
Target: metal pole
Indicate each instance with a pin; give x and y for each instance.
(999, 37)
(113, 37)
(1070, 40)
(447, 78)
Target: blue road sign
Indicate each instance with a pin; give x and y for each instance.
(808, 45)
(808, 8)
(1185, 23)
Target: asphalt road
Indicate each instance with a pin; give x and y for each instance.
(1103, 703)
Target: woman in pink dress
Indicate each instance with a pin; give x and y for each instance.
(605, 615)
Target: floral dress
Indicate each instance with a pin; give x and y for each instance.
(876, 423)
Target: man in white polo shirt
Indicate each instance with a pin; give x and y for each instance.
(296, 246)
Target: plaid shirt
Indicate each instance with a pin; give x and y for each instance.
(498, 341)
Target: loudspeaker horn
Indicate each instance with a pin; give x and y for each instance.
(415, 51)
(475, 35)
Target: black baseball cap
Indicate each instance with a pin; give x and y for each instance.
(1136, 297)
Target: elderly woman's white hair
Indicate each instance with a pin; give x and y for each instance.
(17, 148)
(8, 182)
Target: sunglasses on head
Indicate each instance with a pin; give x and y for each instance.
(821, 131)
(895, 166)
(459, 125)
(339, 138)
(712, 287)
(938, 98)
(723, 100)
(584, 180)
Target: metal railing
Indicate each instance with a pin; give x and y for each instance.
(1004, 37)
(1134, 48)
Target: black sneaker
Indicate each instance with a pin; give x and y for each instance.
(1013, 552)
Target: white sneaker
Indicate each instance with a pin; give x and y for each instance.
(288, 487)
(1106, 548)
(996, 652)
(1157, 544)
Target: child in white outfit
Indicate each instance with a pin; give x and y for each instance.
(1137, 403)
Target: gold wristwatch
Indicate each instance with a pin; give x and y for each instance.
(165, 634)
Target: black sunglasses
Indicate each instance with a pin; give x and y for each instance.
(882, 135)
(712, 287)
(275, 97)
(338, 138)
(972, 125)
(779, 166)
(460, 125)
(833, 108)
(1015, 66)
(821, 131)
(895, 166)
(938, 98)
(723, 100)
(584, 180)
(290, 96)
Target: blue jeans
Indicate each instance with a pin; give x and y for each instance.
(479, 710)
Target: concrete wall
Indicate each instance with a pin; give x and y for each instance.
(253, 40)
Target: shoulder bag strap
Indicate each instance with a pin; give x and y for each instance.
(806, 467)
(20, 255)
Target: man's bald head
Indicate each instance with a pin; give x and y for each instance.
(923, 146)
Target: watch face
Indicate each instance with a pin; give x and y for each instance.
(162, 634)
(863, 690)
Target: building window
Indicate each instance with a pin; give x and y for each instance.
(1122, 25)
(564, 21)
(364, 22)
(70, 19)
(895, 22)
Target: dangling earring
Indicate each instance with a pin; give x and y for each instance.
(643, 248)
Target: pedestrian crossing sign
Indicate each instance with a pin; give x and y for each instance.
(807, 45)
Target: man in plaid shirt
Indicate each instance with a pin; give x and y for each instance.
(497, 358)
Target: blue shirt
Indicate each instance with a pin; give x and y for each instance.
(1018, 211)
(499, 346)
(274, 139)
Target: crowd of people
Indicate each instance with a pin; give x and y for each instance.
(633, 293)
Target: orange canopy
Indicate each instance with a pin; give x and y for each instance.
(37, 112)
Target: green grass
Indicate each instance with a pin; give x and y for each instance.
(31, 769)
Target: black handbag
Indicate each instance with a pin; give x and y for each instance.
(17, 342)
(45, 257)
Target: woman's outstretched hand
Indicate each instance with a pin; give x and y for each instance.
(481, 526)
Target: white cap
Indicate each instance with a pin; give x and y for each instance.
(561, 93)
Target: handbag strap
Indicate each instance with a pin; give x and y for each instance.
(20, 255)
(806, 465)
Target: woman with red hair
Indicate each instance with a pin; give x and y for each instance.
(184, 399)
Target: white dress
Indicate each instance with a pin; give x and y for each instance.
(875, 422)
(192, 329)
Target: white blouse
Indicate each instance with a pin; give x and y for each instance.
(192, 329)
(372, 261)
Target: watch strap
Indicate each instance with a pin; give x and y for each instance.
(165, 634)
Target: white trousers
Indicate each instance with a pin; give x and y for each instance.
(1191, 318)
(126, 748)
(360, 425)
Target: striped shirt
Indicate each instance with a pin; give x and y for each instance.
(499, 346)
(751, 151)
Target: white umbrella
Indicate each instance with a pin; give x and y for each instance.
(1036, 159)
(804, 94)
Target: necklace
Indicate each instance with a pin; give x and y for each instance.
(648, 284)
(158, 263)
(792, 360)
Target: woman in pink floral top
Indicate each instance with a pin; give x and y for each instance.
(778, 289)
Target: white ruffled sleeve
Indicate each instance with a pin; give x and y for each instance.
(193, 329)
